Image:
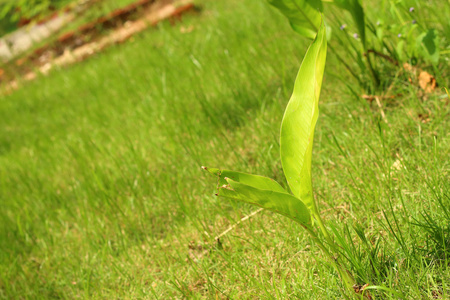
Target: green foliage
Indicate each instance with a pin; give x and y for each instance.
(255, 181)
(299, 121)
(356, 10)
(297, 135)
(296, 143)
(102, 197)
(6, 26)
(413, 39)
(263, 192)
(428, 46)
(16, 9)
(401, 40)
(303, 15)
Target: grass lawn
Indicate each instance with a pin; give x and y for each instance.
(102, 194)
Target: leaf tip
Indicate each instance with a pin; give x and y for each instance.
(213, 171)
(227, 187)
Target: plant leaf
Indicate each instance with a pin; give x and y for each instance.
(299, 121)
(355, 8)
(282, 203)
(260, 191)
(428, 45)
(256, 181)
(303, 15)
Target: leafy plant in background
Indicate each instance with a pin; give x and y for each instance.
(296, 143)
(13, 10)
(406, 40)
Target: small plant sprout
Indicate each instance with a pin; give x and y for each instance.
(296, 144)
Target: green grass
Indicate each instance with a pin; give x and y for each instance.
(103, 196)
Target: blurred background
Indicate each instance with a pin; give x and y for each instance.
(36, 34)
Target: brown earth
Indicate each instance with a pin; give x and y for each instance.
(93, 37)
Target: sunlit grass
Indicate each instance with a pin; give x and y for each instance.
(102, 193)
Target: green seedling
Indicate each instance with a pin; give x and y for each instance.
(296, 142)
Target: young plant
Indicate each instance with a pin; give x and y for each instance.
(296, 142)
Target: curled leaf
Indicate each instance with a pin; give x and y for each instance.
(299, 121)
(303, 15)
(261, 191)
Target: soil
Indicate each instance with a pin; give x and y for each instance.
(93, 37)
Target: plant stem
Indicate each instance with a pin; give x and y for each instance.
(346, 277)
(376, 80)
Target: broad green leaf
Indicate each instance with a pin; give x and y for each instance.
(282, 203)
(303, 15)
(299, 121)
(256, 181)
(355, 8)
(399, 49)
(428, 45)
(260, 191)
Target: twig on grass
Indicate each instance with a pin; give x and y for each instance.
(386, 57)
(377, 100)
(237, 223)
(370, 98)
(217, 238)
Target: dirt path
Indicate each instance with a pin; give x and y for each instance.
(72, 48)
